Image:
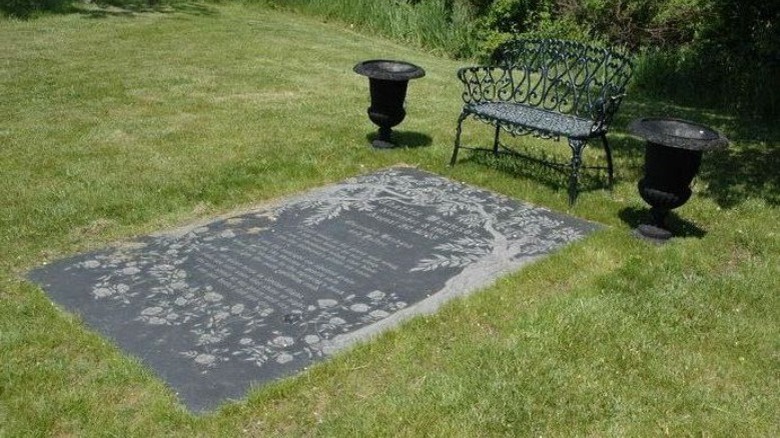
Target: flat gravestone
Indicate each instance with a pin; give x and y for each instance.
(216, 308)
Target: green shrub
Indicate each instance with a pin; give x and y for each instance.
(729, 56)
(28, 8)
(532, 18)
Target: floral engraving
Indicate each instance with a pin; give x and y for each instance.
(272, 289)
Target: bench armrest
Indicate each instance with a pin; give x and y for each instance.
(486, 84)
(604, 109)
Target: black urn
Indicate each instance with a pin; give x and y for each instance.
(388, 81)
(672, 158)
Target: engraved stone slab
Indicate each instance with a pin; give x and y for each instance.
(244, 300)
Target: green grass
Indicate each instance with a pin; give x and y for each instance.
(113, 125)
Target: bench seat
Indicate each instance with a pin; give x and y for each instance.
(547, 123)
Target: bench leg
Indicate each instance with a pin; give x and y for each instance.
(608, 152)
(577, 146)
(495, 140)
(457, 138)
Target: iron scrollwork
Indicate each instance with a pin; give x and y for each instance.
(547, 88)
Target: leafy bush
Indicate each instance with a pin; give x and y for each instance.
(728, 55)
(28, 8)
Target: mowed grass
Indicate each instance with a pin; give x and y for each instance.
(114, 125)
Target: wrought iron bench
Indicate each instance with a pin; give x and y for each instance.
(550, 89)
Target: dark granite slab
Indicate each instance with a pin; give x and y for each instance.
(244, 300)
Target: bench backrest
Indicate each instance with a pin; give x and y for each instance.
(563, 76)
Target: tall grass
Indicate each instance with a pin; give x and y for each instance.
(442, 26)
(748, 87)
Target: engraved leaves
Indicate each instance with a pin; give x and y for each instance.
(479, 224)
(304, 337)
(461, 253)
(327, 211)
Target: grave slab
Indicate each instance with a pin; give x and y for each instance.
(240, 301)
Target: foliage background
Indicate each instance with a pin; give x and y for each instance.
(723, 53)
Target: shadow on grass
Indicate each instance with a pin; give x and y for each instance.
(129, 9)
(679, 227)
(748, 169)
(554, 177)
(406, 139)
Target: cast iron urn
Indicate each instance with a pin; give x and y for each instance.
(672, 158)
(387, 83)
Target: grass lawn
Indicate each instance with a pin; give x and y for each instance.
(113, 125)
